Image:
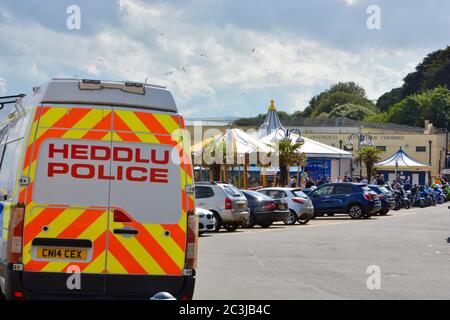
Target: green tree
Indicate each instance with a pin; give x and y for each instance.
(350, 111)
(338, 94)
(390, 98)
(288, 155)
(432, 72)
(433, 105)
(408, 112)
(216, 153)
(368, 155)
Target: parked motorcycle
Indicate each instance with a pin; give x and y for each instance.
(401, 200)
(438, 194)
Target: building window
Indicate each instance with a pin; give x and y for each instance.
(421, 149)
(381, 148)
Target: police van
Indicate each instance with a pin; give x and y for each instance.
(96, 188)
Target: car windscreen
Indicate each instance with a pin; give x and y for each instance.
(232, 191)
(299, 193)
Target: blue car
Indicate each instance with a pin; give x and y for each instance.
(355, 199)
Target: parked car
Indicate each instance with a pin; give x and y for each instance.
(206, 220)
(264, 210)
(386, 198)
(355, 199)
(300, 206)
(225, 201)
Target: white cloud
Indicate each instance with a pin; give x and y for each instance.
(155, 39)
(349, 2)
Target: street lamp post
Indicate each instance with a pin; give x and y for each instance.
(364, 139)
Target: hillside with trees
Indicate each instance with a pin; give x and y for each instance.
(424, 95)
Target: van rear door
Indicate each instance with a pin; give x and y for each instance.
(147, 230)
(67, 198)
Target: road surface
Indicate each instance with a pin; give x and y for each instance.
(329, 258)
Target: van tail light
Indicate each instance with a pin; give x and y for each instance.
(270, 206)
(298, 200)
(15, 240)
(120, 216)
(228, 204)
(192, 238)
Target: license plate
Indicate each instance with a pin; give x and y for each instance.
(57, 253)
(282, 206)
(241, 205)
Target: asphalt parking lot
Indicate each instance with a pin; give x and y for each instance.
(329, 258)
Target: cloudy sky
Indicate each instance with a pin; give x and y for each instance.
(221, 57)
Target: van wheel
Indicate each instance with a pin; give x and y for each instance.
(218, 222)
(355, 211)
(291, 219)
(231, 227)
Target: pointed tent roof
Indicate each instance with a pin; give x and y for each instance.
(401, 161)
(271, 123)
(236, 140)
(310, 147)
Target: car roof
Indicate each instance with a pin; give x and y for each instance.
(357, 184)
(279, 188)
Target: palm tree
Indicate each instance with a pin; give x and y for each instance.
(369, 155)
(288, 155)
(216, 151)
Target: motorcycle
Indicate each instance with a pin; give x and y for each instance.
(423, 192)
(438, 195)
(418, 199)
(446, 191)
(401, 201)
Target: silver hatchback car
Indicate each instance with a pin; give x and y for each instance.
(301, 207)
(227, 203)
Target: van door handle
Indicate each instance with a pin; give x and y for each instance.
(125, 231)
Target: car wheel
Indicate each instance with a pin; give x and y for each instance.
(383, 212)
(291, 219)
(303, 219)
(231, 227)
(355, 211)
(218, 222)
(250, 222)
(266, 224)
